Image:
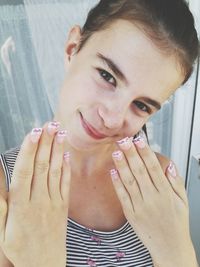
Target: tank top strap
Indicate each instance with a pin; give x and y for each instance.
(8, 160)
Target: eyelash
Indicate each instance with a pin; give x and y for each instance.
(109, 76)
(140, 105)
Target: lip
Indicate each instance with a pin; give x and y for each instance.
(90, 130)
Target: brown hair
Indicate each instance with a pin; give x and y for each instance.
(168, 23)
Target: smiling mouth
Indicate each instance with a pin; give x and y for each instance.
(90, 130)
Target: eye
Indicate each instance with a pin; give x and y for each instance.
(142, 107)
(107, 77)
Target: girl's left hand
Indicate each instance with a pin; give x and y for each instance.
(155, 205)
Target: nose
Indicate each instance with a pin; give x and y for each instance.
(112, 118)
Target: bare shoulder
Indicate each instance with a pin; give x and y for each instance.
(3, 190)
(4, 262)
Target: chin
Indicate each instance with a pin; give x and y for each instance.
(79, 142)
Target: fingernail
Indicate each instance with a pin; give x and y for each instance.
(171, 169)
(114, 174)
(139, 141)
(125, 143)
(66, 156)
(35, 134)
(118, 155)
(61, 135)
(52, 127)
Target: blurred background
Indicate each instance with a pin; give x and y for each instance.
(32, 38)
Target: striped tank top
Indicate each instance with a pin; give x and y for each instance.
(88, 247)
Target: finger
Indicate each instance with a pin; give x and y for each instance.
(39, 185)
(3, 216)
(66, 178)
(23, 170)
(152, 164)
(127, 176)
(176, 182)
(56, 162)
(137, 167)
(124, 197)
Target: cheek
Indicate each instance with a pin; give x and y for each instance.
(75, 88)
(133, 124)
(85, 89)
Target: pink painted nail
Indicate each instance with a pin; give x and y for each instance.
(35, 134)
(125, 143)
(114, 174)
(53, 126)
(118, 155)
(61, 135)
(171, 169)
(66, 156)
(139, 141)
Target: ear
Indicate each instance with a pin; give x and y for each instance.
(73, 42)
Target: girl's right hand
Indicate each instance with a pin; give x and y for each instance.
(33, 222)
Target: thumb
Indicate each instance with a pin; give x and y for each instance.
(3, 217)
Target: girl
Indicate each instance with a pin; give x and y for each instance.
(123, 205)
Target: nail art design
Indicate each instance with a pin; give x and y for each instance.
(125, 143)
(171, 169)
(61, 135)
(118, 155)
(139, 141)
(114, 174)
(66, 156)
(35, 134)
(53, 126)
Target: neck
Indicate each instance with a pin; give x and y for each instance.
(92, 163)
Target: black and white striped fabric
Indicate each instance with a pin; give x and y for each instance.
(87, 247)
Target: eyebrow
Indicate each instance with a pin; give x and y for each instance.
(109, 62)
(122, 77)
(152, 102)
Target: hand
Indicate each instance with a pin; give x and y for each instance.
(33, 224)
(155, 206)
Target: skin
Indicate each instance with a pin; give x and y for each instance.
(141, 190)
(163, 200)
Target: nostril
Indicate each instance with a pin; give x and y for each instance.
(113, 122)
(111, 119)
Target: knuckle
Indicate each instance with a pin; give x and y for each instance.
(23, 173)
(124, 198)
(141, 169)
(130, 181)
(55, 173)
(153, 167)
(41, 167)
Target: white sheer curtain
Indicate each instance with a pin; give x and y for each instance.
(32, 38)
(49, 24)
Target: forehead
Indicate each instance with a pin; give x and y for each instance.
(147, 69)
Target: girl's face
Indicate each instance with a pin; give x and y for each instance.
(113, 85)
